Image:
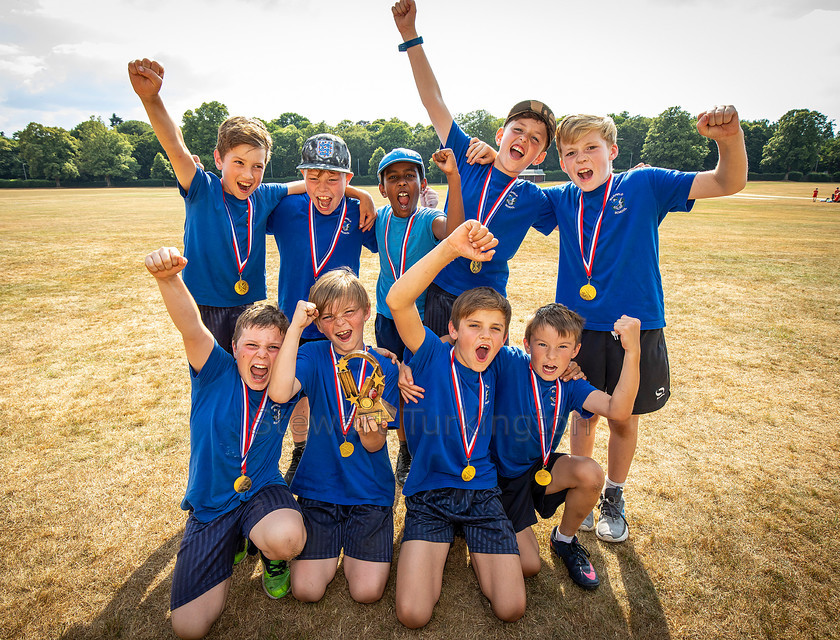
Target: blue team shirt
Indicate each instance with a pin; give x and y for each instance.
(212, 270)
(625, 269)
(361, 478)
(421, 240)
(215, 426)
(515, 446)
(289, 223)
(432, 428)
(524, 206)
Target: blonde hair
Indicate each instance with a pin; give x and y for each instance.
(238, 130)
(560, 318)
(573, 127)
(477, 299)
(335, 286)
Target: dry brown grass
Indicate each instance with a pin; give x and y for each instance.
(732, 500)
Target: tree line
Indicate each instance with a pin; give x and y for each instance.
(800, 144)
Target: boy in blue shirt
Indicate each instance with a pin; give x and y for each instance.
(225, 226)
(452, 483)
(236, 433)
(532, 406)
(315, 232)
(494, 195)
(344, 482)
(405, 233)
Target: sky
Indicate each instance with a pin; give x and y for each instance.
(62, 61)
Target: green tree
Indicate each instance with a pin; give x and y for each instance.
(135, 128)
(201, 128)
(672, 141)
(756, 135)
(104, 153)
(146, 147)
(291, 118)
(425, 141)
(394, 134)
(11, 164)
(361, 146)
(115, 121)
(480, 124)
(632, 131)
(286, 143)
(796, 144)
(375, 159)
(50, 152)
(162, 169)
(830, 155)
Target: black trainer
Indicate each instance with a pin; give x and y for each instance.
(576, 558)
(297, 453)
(403, 465)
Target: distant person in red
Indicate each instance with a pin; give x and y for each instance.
(836, 196)
(816, 193)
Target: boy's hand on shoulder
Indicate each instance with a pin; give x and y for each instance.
(445, 160)
(405, 16)
(382, 351)
(719, 122)
(480, 152)
(146, 77)
(473, 241)
(305, 314)
(629, 330)
(429, 197)
(166, 262)
(573, 372)
(409, 391)
(367, 210)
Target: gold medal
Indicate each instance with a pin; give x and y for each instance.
(346, 449)
(587, 292)
(242, 484)
(543, 477)
(475, 266)
(241, 287)
(468, 473)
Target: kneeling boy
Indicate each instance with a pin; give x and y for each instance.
(344, 482)
(452, 482)
(234, 488)
(532, 408)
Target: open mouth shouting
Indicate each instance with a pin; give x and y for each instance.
(244, 187)
(259, 374)
(344, 336)
(517, 152)
(403, 199)
(482, 352)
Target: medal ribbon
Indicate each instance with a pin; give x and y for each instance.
(587, 266)
(545, 444)
(469, 443)
(345, 425)
(239, 262)
(247, 434)
(483, 201)
(317, 267)
(403, 248)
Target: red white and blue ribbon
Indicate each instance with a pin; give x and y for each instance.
(468, 442)
(246, 436)
(403, 246)
(339, 396)
(545, 443)
(587, 264)
(318, 266)
(239, 262)
(482, 203)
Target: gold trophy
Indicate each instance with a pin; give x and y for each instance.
(368, 400)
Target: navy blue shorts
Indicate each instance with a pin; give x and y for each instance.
(522, 498)
(364, 531)
(205, 558)
(601, 358)
(438, 514)
(221, 321)
(387, 336)
(438, 309)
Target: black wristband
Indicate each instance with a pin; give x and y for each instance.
(405, 46)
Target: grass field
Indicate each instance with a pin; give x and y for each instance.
(732, 499)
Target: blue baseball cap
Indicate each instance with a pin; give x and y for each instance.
(401, 155)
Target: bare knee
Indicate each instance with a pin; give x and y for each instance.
(366, 593)
(413, 617)
(284, 544)
(190, 628)
(510, 608)
(530, 566)
(308, 593)
(590, 475)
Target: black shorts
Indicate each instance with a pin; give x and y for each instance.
(523, 498)
(364, 531)
(437, 515)
(438, 309)
(205, 557)
(221, 321)
(387, 336)
(601, 357)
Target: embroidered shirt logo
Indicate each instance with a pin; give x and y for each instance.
(617, 203)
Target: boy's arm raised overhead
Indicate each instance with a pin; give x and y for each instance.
(619, 405)
(471, 240)
(445, 160)
(284, 384)
(146, 79)
(721, 124)
(405, 15)
(165, 265)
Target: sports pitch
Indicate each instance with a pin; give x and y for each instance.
(732, 498)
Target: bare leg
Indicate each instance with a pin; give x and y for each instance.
(280, 535)
(582, 435)
(419, 580)
(500, 578)
(310, 578)
(529, 552)
(583, 477)
(194, 619)
(365, 579)
(621, 448)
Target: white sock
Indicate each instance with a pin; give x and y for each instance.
(559, 537)
(609, 484)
